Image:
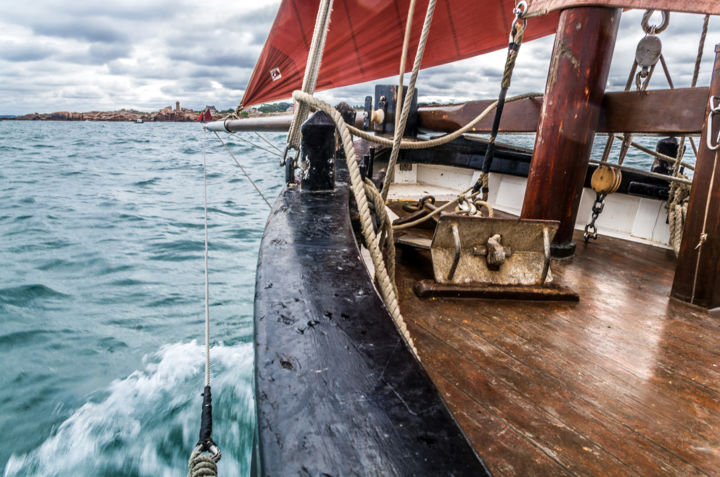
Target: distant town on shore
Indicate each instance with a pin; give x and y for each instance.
(167, 114)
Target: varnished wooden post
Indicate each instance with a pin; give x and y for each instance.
(698, 281)
(569, 118)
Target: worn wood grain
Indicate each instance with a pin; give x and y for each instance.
(698, 274)
(621, 111)
(627, 370)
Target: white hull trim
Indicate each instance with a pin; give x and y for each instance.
(627, 217)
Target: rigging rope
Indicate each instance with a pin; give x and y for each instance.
(517, 31)
(403, 61)
(400, 126)
(679, 195)
(312, 68)
(243, 170)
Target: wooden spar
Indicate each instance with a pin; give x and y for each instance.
(623, 111)
(569, 119)
(697, 279)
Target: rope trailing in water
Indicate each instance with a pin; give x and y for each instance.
(359, 187)
(205, 455)
(400, 125)
(517, 30)
(312, 68)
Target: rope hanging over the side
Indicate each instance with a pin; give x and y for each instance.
(205, 455)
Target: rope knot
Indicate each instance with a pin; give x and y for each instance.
(203, 464)
(703, 239)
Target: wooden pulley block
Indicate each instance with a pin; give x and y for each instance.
(606, 180)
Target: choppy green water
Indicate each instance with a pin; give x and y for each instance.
(101, 296)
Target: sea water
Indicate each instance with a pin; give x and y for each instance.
(102, 293)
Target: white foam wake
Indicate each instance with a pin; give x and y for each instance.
(148, 423)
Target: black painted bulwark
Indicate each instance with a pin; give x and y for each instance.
(338, 391)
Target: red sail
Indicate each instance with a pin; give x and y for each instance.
(365, 39)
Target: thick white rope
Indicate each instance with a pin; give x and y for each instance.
(400, 127)
(312, 68)
(382, 278)
(403, 61)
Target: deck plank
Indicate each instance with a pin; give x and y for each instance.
(627, 373)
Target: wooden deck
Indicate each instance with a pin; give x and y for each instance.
(625, 382)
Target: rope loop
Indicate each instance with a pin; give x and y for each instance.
(203, 464)
(655, 29)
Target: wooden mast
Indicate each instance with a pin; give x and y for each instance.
(697, 280)
(569, 118)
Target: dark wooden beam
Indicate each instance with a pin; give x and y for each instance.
(569, 118)
(518, 116)
(665, 111)
(697, 277)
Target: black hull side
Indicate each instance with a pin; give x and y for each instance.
(338, 392)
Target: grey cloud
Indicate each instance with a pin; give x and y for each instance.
(19, 52)
(94, 31)
(229, 58)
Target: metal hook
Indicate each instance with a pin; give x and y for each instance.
(714, 109)
(519, 20)
(655, 29)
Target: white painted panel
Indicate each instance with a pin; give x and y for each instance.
(646, 218)
(406, 177)
(661, 232)
(454, 177)
(624, 216)
(510, 192)
(619, 214)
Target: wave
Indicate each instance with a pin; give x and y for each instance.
(147, 424)
(24, 295)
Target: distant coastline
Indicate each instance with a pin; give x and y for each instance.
(167, 114)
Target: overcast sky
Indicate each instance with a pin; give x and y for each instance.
(146, 54)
